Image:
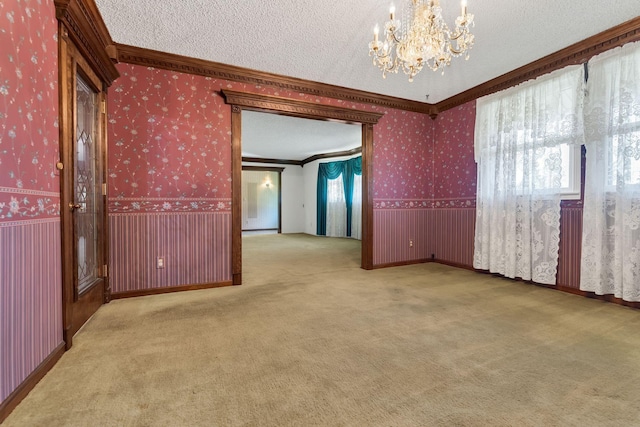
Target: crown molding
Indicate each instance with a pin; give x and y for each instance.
(297, 108)
(272, 161)
(313, 158)
(262, 169)
(301, 163)
(185, 64)
(577, 53)
(345, 153)
(83, 24)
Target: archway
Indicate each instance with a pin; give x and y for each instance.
(296, 108)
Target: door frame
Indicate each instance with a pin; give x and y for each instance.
(78, 308)
(279, 172)
(296, 108)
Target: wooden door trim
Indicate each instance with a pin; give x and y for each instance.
(367, 196)
(297, 108)
(71, 62)
(308, 110)
(236, 195)
(84, 26)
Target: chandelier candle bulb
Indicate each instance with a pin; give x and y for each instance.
(392, 11)
(376, 30)
(464, 7)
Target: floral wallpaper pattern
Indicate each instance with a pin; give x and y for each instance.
(170, 138)
(29, 183)
(22, 205)
(455, 171)
(402, 204)
(459, 203)
(167, 204)
(30, 250)
(168, 142)
(403, 156)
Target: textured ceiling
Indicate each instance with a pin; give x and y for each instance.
(326, 40)
(280, 137)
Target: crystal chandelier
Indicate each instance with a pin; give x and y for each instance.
(426, 39)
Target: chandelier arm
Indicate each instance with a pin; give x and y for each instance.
(457, 35)
(394, 39)
(456, 51)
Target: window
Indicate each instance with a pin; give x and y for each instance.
(527, 145)
(336, 208)
(623, 158)
(565, 157)
(610, 253)
(339, 203)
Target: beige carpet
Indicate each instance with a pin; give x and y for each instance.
(310, 339)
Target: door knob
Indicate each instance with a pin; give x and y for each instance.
(73, 206)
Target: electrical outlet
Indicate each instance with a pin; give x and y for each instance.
(411, 243)
(160, 262)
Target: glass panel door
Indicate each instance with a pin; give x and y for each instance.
(87, 188)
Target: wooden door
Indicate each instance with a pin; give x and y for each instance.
(85, 284)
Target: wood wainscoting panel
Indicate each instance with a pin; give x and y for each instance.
(453, 235)
(30, 298)
(570, 248)
(14, 399)
(402, 236)
(195, 247)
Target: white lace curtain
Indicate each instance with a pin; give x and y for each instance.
(518, 138)
(336, 208)
(356, 215)
(611, 231)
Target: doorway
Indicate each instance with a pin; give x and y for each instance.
(261, 199)
(297, 108)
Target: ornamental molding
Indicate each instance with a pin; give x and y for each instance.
(298, 108)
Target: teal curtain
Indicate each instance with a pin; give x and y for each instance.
(332, 170)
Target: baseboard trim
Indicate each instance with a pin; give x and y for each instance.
(457, 265)
(425, 260)
(30, 382)
(402, 263)
(593, 295)
(167, 290)
(561, 288)
(557, 287)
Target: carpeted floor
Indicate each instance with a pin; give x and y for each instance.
(310, 339)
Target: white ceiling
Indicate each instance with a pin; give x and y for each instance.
(326, 40)
(280, 137)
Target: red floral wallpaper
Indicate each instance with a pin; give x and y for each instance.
(30, 252)
(29, 184)
(403, 160)
(454, 165)
(170, 144)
